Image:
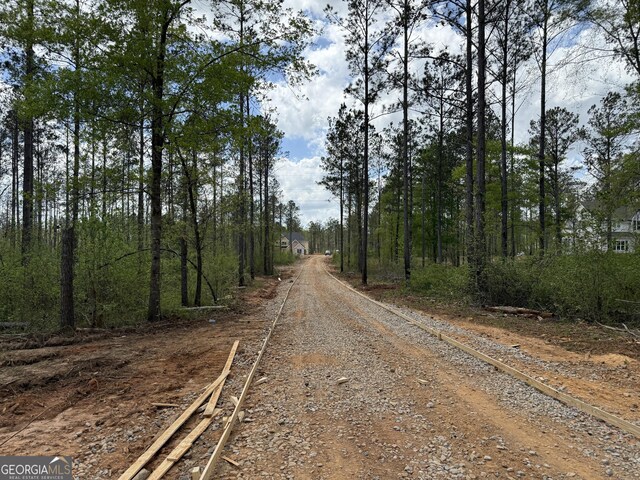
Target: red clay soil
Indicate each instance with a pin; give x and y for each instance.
(54, 398)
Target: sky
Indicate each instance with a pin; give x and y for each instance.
(302, 111)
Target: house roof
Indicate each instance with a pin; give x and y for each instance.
(625, 212)
(295, 236)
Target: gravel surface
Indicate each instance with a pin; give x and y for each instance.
(354, 391)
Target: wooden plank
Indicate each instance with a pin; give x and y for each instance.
(164, 405)
(173, 428)
(195, 473)
(213, 401)
(183, 447)
(231, 461)
(207, 473)
(532, 382)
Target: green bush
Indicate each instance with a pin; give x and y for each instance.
(441, 281)
(593, 285)
(29, 294)
(284, 257)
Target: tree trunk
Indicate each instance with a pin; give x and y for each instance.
(252, 262)
(157, 146)
(341, 213)
(543, 126)
(480, 164)
(504, 201)
(15, 179)
(469, 134)
(439, 183)
(241, 186)
(349, 222)
(140, 216)
(512, 169)
(424, 225)
(184, 248)
(67, 260)
(39, 182)
(267, 241)
(556, 198)
(104, 179)
(241, 205)
(27, 182)
(405, 144)
(365, 167)
(192, 191)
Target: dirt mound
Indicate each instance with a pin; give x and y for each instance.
(613, 359)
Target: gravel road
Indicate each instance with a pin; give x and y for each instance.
(353, 391)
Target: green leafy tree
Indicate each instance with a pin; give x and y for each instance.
(561, 133)
(367, 50)
(606, 137)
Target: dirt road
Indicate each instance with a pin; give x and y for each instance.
(411, 406)
(466, 421)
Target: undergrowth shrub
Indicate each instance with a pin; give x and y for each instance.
(441, 282)
(29, 294)
(593, 285)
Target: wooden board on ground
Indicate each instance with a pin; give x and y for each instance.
(183, 447)
(130, 473)
(207, 473)
(213, 401)
(231, 461)
(532, 382)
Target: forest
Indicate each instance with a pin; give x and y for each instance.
(446, 200)
(137, 155)
(135, 158)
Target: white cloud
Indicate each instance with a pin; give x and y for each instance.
(315, 8)
(302, 111)
(299, 182)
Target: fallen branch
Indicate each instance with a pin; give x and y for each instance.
(18, 325)
(25, 426)
(622, 330)
(631, 331)
(207, 307)
(519, 311)
(627, 301)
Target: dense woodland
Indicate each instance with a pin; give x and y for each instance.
(137, 155)
(446, 198)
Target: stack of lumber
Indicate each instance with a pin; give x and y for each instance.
(212, 393)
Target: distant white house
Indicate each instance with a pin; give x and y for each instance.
(626, 230)
(299, 246)
(584, 229)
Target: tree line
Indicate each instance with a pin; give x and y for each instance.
(134, 149)
(448, 183)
